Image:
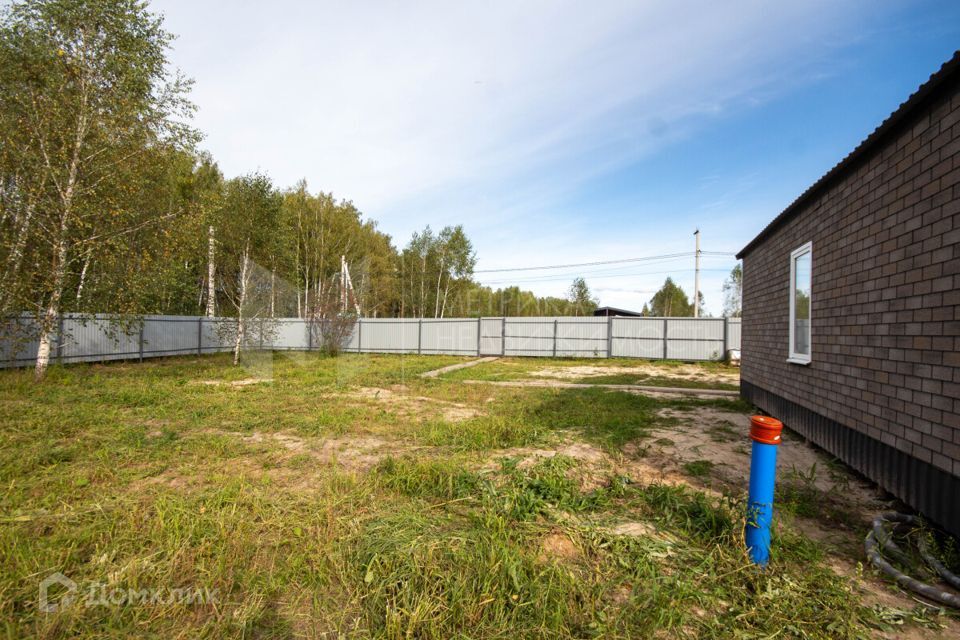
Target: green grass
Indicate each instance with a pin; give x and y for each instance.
(140, 476)
(656, 381)
(698, 468)
(503, 369)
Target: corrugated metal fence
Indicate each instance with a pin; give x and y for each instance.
(102, 337)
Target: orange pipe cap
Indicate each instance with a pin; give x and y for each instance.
(765, 429)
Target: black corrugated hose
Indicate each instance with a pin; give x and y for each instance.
(880, 539)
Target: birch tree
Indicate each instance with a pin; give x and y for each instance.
(733, 293)
(85, 98)
(249, 227)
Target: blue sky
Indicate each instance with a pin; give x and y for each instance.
(557, 132)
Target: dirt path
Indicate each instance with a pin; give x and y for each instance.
(691, 372)
(457, 367)
(651, 390)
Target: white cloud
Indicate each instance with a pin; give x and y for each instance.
(487, 113)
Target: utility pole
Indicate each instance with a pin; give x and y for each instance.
(696, 281)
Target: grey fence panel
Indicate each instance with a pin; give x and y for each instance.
(353, 342)
(734, 326)
(581, 337)
(216, 334)
(291, 334)
(101, 337)
(694, 339)
(18, 343)
(457, 336)
(638, 337)
(491, 336)
(387, 335)
(169, 335)
(529, 337)
(97, 338)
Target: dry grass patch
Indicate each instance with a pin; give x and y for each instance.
(399, 400)
(687, 372)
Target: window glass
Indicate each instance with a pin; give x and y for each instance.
(801, 303)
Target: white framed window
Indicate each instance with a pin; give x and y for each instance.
(801, 281)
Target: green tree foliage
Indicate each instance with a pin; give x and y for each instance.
(733, 293)
(90, 119)
(477, 300)
(106, 206)
(319, 230)
(435, 271)
(582, 302)
(671, 302)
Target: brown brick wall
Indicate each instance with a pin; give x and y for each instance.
(886, 294)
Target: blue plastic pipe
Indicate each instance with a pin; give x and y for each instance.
(765, 433)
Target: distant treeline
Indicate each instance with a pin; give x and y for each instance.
(106, 204)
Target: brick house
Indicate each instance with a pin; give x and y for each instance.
(851, 306)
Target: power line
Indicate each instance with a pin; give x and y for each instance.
(560, 278)
(685, 254)
(591, 272)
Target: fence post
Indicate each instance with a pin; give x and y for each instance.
(60, 339)
(309, 325)
(143, 321)
(555, 321)
(261, 334)
(479, 329)
(359, 335)
(419, 336)
(609, 336)
(503, 336)
(665, 340)
(199, 335)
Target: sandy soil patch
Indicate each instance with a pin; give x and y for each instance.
(680, 372)
(722, 438)
(557, 546)
(354, 453)
(596, 467)
(408, 404)
(634, 529)
(233, 383)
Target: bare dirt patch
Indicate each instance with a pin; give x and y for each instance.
(354, 453)
(233, 383)
(722, 438)
(412, 405)
(689, 372)
(279, 457)
(558, 546)
(634, 529)
(595, 466)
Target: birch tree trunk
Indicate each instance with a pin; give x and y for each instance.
(423, 275)
(60, 264)
(211, 273)
(52, 312)
(436, 303)
(83, 276)
(15, 257)
(306, 288)
(446, 290)
(241, 321)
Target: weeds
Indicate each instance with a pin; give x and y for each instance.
(698, 468)
(140, 476)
